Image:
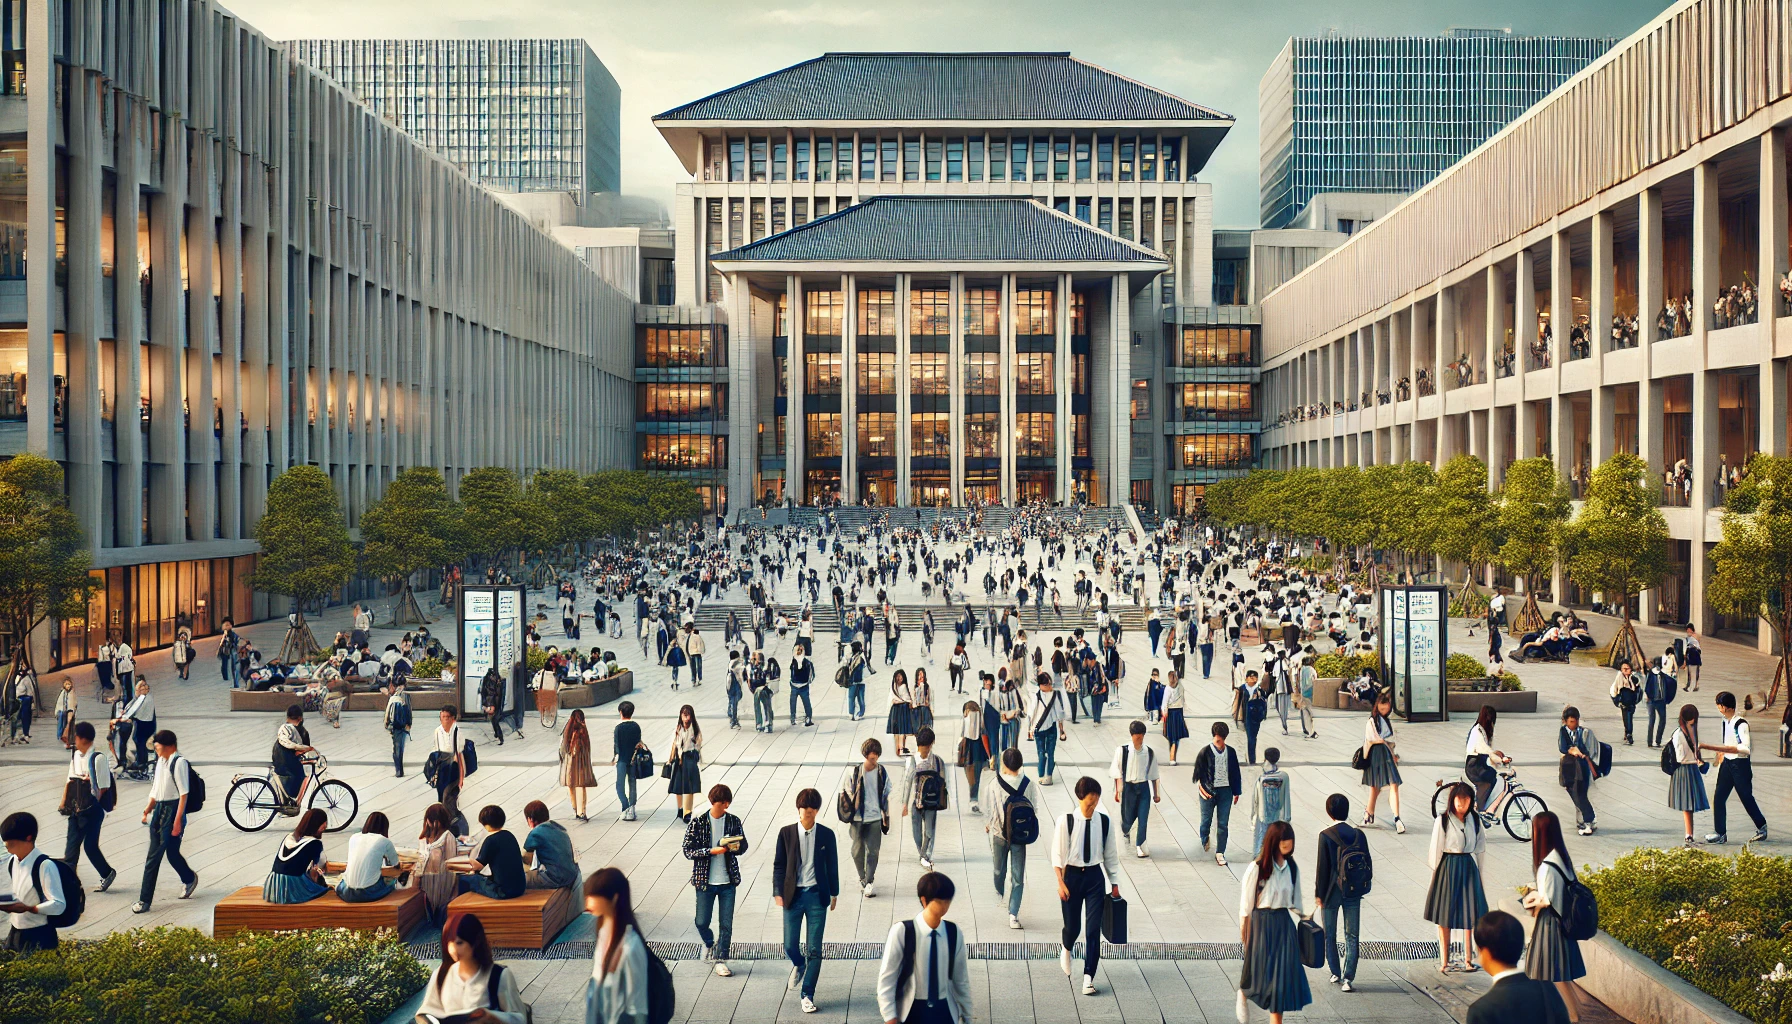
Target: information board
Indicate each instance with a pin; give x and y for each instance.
(490, 629)
(1414, 647)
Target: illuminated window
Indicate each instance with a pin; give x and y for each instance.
(929, 312)
(1033, 374)
(982, 435)
(930, 435)
(823, 314)
(877, 373)
(1035, 312)
(877, 313)
(982, 312)
(821, 435)
(928, 373)
(1035, 435)
(821, 373)
(877, 434)
(982, 373)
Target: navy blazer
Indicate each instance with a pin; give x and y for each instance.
(787, 862)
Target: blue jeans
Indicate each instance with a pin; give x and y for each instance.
(696, 670)
(1045, 744)
(1156, 630)
(63, 718)
(808, 712)
(807, 912)
(1010, 734)
(372, 894)
(1658, 721)
(855, 699)
(1135, 805)
(710, 899)
(763, 718)
(1010, 860)
(733, 705)
(399, 736)
(1206, 661)
(162, 842)
(626, 798)
(1217, 806)
(227, 671)
(25, 715)
(1353, 913)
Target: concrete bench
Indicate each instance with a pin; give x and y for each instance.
(528, 922)
(402, 910)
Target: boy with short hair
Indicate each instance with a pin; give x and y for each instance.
(499, 852)
(624, 740)
(869, 785)
(36, 887)
(925, 977)
(1134, 772)
(1270, 800)
(921, 764)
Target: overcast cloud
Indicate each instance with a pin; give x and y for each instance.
(668, 52)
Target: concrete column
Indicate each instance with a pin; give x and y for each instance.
(1706, 259)
(1649, 302)
(168, 481)
(230, 350)
(1118, 488)
(127, 323)
(849, 390)
(955, 379)
(1496, 320)
(1007, 387)
(42, 128)
(1524, 316)
(1602, 423)
(1496, 449)
(1561, 319)
(1704, 470)
(743, 391)
(1773, 247)
(1061, 389)
(904, 401)
(795, 371)
(82, 340)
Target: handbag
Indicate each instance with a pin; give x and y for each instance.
(666, 770)
(1359, 760)
(1113, 920)
(964, 753)
(640, 766)
(1312, 942)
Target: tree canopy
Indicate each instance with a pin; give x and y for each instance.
(305, 550)
(44, 560)
(1751, 568)
(1618, 543)
(496, 518)
(415, 525)
(1531, 510)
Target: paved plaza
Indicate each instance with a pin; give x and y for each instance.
(1182, 963)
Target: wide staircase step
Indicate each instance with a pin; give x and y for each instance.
(713, 618)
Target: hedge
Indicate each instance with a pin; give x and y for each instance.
(179, 976)
(1722, 923)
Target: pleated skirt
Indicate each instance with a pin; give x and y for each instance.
(1686, 790)
(686, 777)
(1273, 976)
(291, 888)
(1175, 729)
(901, 721)
(1456, 899)
(1553, 956)
(1381, 770)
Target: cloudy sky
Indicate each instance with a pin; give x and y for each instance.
(667, 52)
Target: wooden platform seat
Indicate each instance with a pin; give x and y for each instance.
(528, 922)
(244, 910)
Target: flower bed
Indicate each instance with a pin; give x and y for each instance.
(1722, 923)
(177, 974)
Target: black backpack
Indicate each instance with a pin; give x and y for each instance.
(401, 716)
(1670, 759)
(1020, 823)
(195, 787)
(662, 995)
(1355, 871)
(930, 787)
(74, 898)
(1580, 908)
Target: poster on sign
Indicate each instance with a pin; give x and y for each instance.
(490, 628)
(1414, 647)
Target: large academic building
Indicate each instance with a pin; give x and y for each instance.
(933, 278)
(1607, 273)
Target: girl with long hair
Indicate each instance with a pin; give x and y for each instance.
(436, 846)
(1553, 956)
(298, 872)
(685, 757)
(1382, 767)
(1456, 899)
(1686, 788)
(617, 991)
(463, 985)
(1481, 755)
(1270, 901)
(575, 762)
(901, 719)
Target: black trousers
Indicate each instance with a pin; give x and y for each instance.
(30, 940)
(1739, 775)
(1480, 772)
(84, 834)
(1082, 913)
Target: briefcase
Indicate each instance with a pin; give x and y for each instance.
(1312, 942)
(1113, 921)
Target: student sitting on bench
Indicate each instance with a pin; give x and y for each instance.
(368, 852)
(499, 855)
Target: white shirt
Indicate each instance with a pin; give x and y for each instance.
(1684, 751)
(1141, 764)
(1047, 711)
(102, 768)
(448, 740)
(1551, 884)
(1477, 743)
(464, 995)
(718, 862)
(23, 888)
(1279, 892)
(368, 852)
(142, 708)
(1450, 834)
(955, 986)
(1735, 734)
(805, 844)
(173, 778)
(1068, 843)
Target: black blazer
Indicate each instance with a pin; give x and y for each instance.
(1332, 841)
(787, 862)
(1207, 775)
(1518, 998)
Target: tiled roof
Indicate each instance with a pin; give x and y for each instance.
(887, 87)
(945, 229)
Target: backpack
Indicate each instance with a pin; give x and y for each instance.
(930, 787)
(1579, 910)
(843, 674)
(662, 995)
(195, 787)
(107, 798)
(74, 897)
(401, 716)
(1355, 871)
(1020, 823)
(1670, 759)
(907, 970)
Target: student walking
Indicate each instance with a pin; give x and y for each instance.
(1269, 903)
(1659, 689)
(685, 756)
(900, 722)
(1456, 899)
(1627, 693)
(1013, 826)
(166, 814)
(1045, 726)
(1734, 772)
(1381, 766)
(1553, 956)
(1175, 727)
(802, 673)
(1691, 656)
(449, 756)
(1270, 797)
(1344, 876)
(618, 990)
(713, 843)
(36, 887)
(1303, 695)
(90, 790)
(924, 977)
(398, 722)
(1219, 785)
(924, 794)
(575, 763)
(806, 880)
(1085, 857)
(1579, 766)
(867, 789)
(1134, 771)
(973, 750)
(1686, 788)
(1255, 705)
(66, 703)
(625, 741)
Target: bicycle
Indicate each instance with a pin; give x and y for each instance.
(1511, 804)
(255, 800)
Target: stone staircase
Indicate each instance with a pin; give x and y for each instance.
(713, 618)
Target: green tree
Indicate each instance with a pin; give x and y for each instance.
(1618, 544)
(305, 550)
(564, 506)
(1531, 510)
(496, 518)
(1751, 568)
(44, 560)
(1464, 524)
(414, 526)
(627, 501)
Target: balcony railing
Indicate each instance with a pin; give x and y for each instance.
(1735, 306)
(1624, 332)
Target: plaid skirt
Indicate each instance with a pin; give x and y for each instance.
(1686, 790)
(1553, 956)
(1273, 976)
(1381, 770)
(1456, 899)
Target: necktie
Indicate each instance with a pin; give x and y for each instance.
(1088, 827)
(933, 968)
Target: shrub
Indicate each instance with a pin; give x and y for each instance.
(149, 976)
(1339, 666)
(428, 668)
(1464, 666)
(1722, 923)
(535, 659)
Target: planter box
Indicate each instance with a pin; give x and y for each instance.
(1520, 702)
(597, 691)
(275, 701)
(1327, 695)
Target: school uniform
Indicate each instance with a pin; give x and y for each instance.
(1735, 772)
(1010, 859)
(1686, 788)
(1381, 769)
(89, 775)
(173, 780)
(687, 751)
(806, 871)
(1135, 770)
(1552, 955)
(938, 987)
(1575, 774)
(1456, 898)
(1273, 976)
(31, 881)
(289, 880)
(1085, 849)
(1224, 782)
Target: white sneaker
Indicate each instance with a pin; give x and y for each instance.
(1140, 850)
(1347, 987)
(927, 863)
(975, 809)
(1399, 826)
(870, 890)
(722, 970)
(1088, 985)
(808, 1005)
(1334, 979)
(1014, 922)
(1064, 961)
(1220, 859)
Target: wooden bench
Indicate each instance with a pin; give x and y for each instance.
(244, 910)
(528, 922)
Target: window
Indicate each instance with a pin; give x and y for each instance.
(1079, 315)
(799, 211)
(660, 402)
(998, 160)
(877, 313)
(1035, 435)
(889, 167)
(982, 312)
(758, 218)
(1041, 154)
(1172, 160)
(1218, 402)
(1082, 159)
(927, 373)
(802, 160)
(736, 222)
(824, 160)
(982, 373)
(1033, 374)
(877, 435)
(821, 435)
(933, 159)
(780, 159)
(844, 148)
(868, 159)
(1141, 400)
(954, 159)
(1126, 219)
(1082, 209)
(982, 435)
(821, 373)
(1104, 158)
(683, 451)
(1147, 159)
(823, 314)
(1104, 215)
(663, 347)
(974, 157)
(930, 435)
(1126, 148)
(1211, 451)
(911, 160)
(1061, 160)
(929, 312)
(779, 224)
(737, 159)
(1147, 221)
(1018, 150)
(877, 373)
(1034, 312)
(759, 159)
(1218, 346)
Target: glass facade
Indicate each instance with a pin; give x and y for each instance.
(1387, 114)
(146, 604)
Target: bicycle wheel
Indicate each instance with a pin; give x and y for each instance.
(251, 804)
(1518, 814)
(338, 802)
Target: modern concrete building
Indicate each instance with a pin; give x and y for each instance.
(1386, 114)
(921, 278)
(306, 284)
(1607, 273)
(516, 115)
